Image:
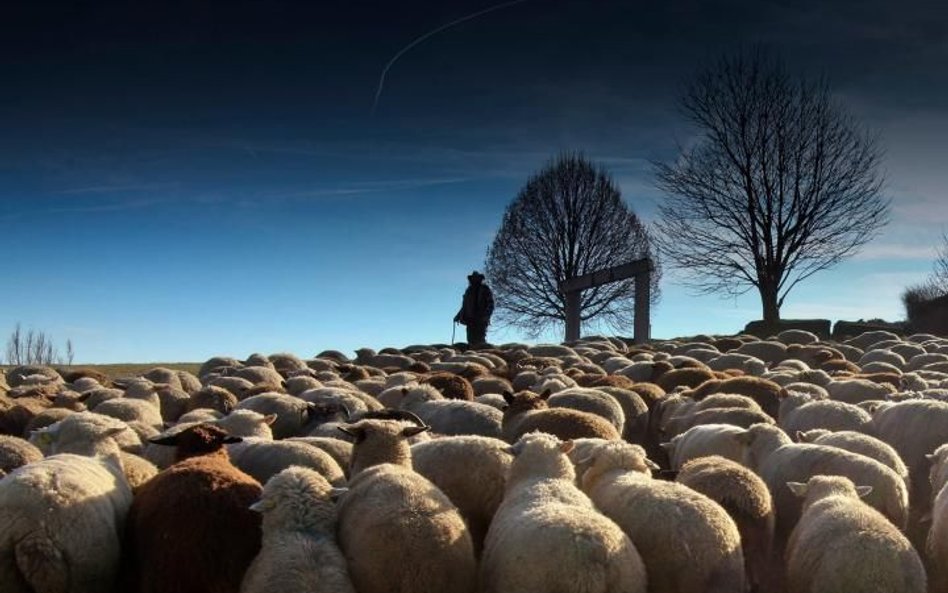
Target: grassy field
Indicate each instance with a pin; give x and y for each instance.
(130, 369)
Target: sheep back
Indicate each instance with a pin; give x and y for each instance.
(399, 532)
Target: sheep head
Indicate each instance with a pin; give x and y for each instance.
(200, 439)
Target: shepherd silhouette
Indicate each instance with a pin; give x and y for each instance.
(476, 309)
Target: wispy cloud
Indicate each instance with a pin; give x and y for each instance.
(901, 251)
(106, 189)
(90, 208)
(364, 187)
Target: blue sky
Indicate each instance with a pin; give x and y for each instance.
(186, 180)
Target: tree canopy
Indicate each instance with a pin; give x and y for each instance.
(780, 184)
(568, 220)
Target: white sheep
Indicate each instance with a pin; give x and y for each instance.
(860, 443)
(62, 517)
(451, 416)
(247, 423)
(298, 552)
(397, 530)
(688, 542)
(751, 365)
(797, 414)
(884, 356)
(546, 535)
(936, 545)
(471, 471)
(914, 428)
(132, 410)
(263, 459)
(843, 544)
(777, 460)
(590, 400)
(16, 452)
(292, 413)
(704, 440)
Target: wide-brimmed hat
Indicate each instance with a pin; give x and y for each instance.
(475, 275)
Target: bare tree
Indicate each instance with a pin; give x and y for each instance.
(15, 346)
(939, 277)
(568, 220)
(781, 184)
(34, 347)
(70, 353)
(936, 285)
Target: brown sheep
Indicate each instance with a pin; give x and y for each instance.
(765, 393)
(649, 392)
(450, 385)
(529, 412)
(19, 412)
(190, 528)
(605, 381)
(746, 499)
(687, 377)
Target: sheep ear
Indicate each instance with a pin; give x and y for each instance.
(863, 491)
(667, 446)
(651, 464)
(546, 394)
(261, 506)
(926, 518)
(508, 397)
(516, 448)
(168, 441)
(230, 440)
(353, 431)
(114, 432)
(801, 437)
(567, 446)
(931, 457)
(269, 419)
(41, 436)
(336, 493)
(798, 488)
(345, 412)
(744, 438)
(410, 431)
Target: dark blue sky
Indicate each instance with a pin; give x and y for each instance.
(182, 179)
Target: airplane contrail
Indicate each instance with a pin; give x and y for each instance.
(416, 41)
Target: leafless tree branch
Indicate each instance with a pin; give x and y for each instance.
(782, 184)
(568, 220)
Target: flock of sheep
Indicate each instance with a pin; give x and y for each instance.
(708, 465)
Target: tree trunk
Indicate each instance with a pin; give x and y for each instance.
(768, 299)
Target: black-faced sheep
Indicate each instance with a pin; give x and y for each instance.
(190, 528)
